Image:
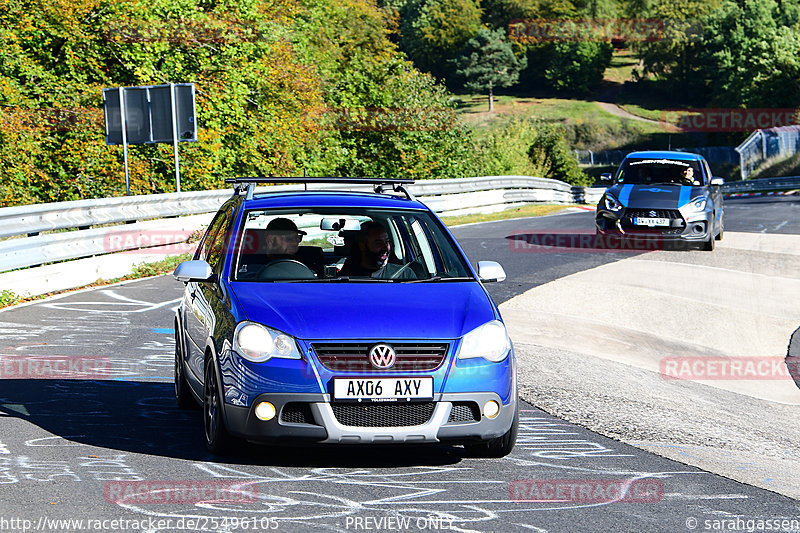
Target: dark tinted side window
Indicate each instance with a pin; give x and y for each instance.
(213, 245)
(218, 246)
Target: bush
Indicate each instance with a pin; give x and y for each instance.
(503, 151)
(527, 148)
(8, 298)
(550, 149)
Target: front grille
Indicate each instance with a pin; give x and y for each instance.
(659, 213)
(297, 413)
(465, 412)
(383, 415)
(354, 357)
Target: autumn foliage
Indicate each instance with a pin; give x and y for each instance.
(273, 79)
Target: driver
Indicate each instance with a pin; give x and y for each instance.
(688, 176)
(282, 239)
(372, 256)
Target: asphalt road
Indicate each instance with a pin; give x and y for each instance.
(119, 449)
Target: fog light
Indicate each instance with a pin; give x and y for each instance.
(491, 409)
(265, 411)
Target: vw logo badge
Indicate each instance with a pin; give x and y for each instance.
(653, 213)
(382, 356)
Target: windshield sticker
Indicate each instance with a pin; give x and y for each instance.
(658, 162)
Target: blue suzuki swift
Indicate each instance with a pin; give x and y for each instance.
(342, 318)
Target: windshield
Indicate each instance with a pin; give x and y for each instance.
(345, 245)
(661, 171)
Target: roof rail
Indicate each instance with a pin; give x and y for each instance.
(246, 186)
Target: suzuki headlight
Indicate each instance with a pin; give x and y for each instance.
(612, 204)
(489, 341)
(698, 204)
(259, 343)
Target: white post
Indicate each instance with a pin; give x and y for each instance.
(173, 100)
(124, 138)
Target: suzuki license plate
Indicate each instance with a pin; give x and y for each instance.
(642, 221)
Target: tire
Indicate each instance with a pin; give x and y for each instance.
(498, 447)
(183, 396)
(721, 229)
(218, 440)
(708, 245)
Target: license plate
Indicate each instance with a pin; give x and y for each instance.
(641, 221)
(383, 389)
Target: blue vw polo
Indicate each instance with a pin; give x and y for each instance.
(342, 318)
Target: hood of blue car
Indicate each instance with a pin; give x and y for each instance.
(368, 310)
(655, 196)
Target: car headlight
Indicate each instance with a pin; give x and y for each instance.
(489, 341)
(259, 343)
(698, 204)
(612, 204)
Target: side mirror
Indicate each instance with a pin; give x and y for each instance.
(193, 271)
(717, 181)
(490, 271)
(606, 176)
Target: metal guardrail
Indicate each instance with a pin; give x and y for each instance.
(37, 218)
(129, 222)
(762, 145)
(762, 185)
(77, 235)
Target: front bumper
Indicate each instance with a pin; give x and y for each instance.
(313, 418)
(688, 227)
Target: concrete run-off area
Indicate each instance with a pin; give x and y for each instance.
(679, 353)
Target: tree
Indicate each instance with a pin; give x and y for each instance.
(674, 56)
(432, 32)
(276, 82)
(750, 55)
(488, 62)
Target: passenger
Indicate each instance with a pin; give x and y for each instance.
(282, 239)
(371, 258)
